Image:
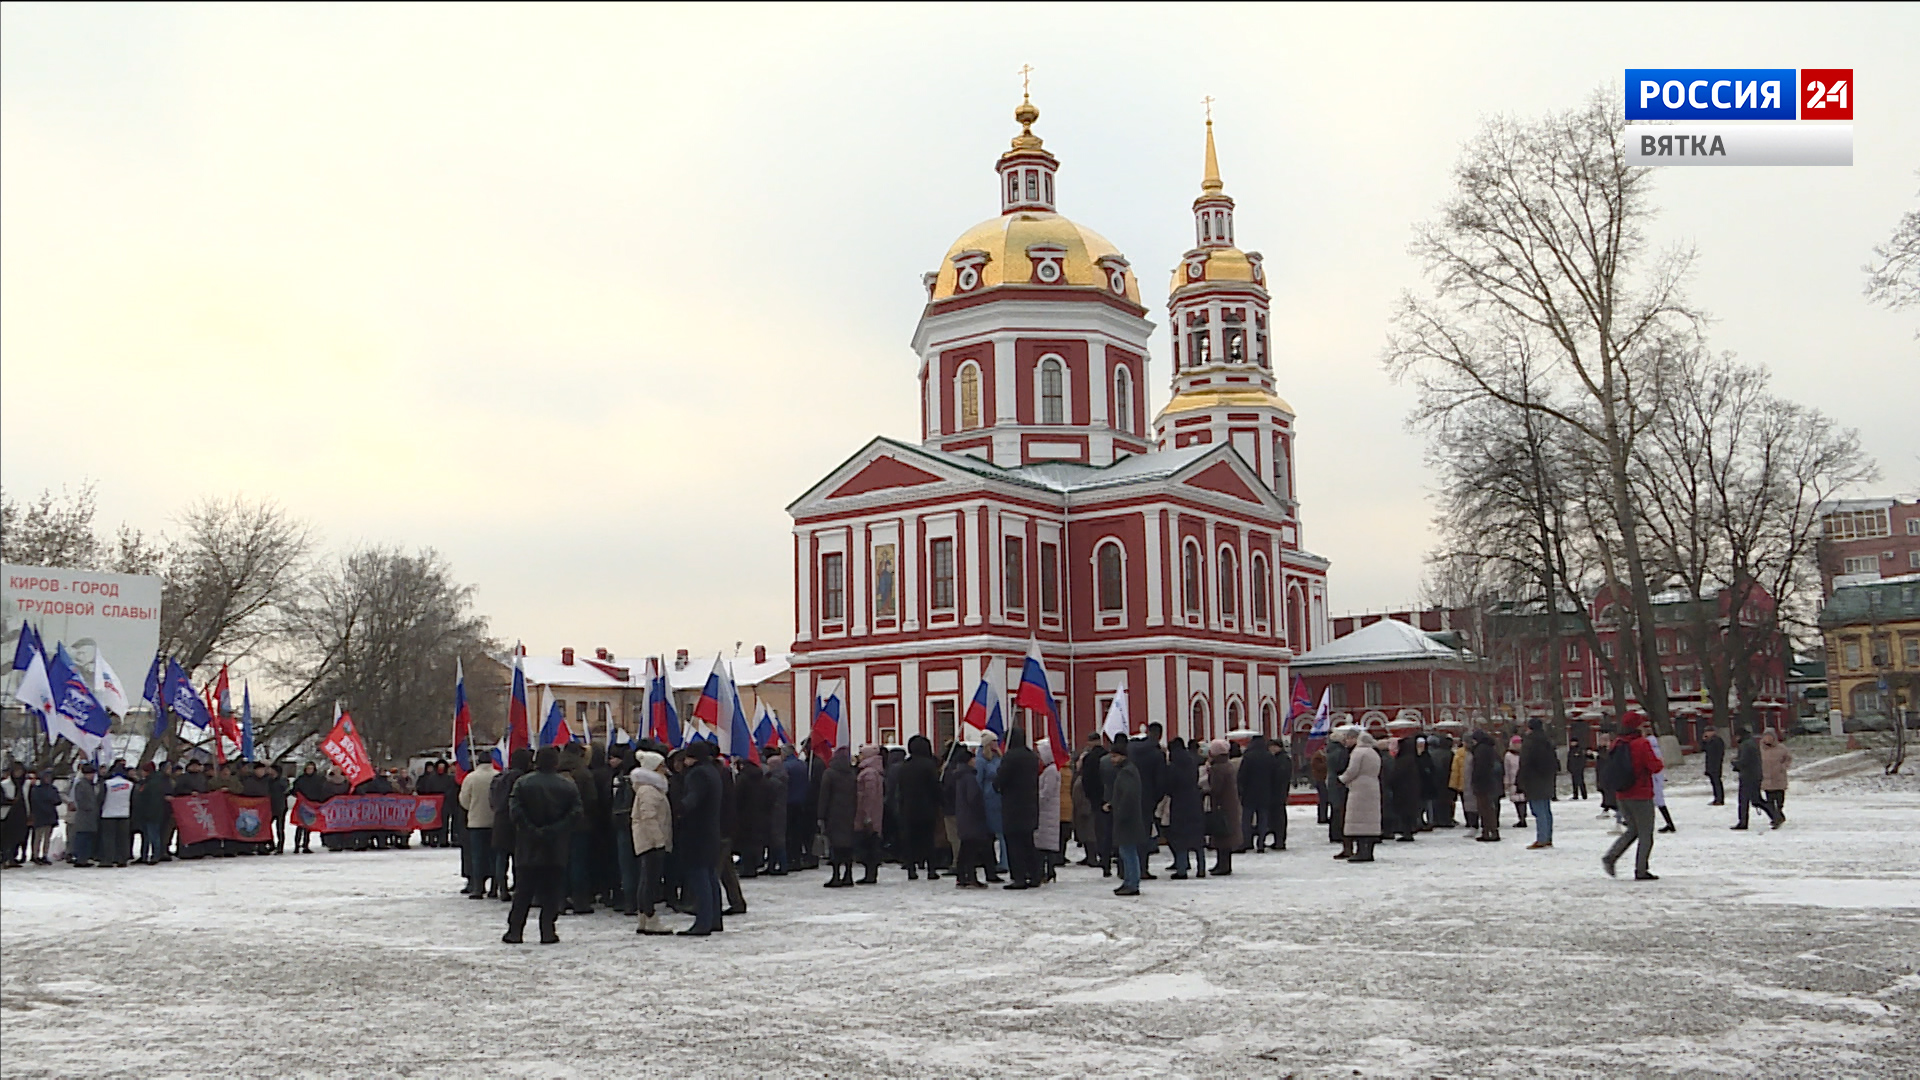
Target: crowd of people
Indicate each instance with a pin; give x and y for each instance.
(645, 829)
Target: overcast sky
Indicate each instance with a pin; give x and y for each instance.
(584, 297)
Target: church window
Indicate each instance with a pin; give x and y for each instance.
(1049, 579)
(1229, 584)
(1046, 180)
(1013, 187)
(1122, 400)
(1014, 573)
(969, 397)
(1236, 345)
(1113, 583)
(833, 588)
(1198, 716)
(1052, 398)
(1281, 484)
(1200, 348)
(1206, 228)
(1262, 586)
(1190, 577)
(1266, 718)
(1233, 716)
(1033, 185)
(942, 566)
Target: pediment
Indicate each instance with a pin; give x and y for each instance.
(1222, 479)
(881, 474)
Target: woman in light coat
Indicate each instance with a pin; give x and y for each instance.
(1362, 777)
(651, 822)
(1774, 763)
(1046, 835)
(1511, 778)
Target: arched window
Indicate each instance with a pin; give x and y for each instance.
(969, 397)
(1033, 185)
(1123, 400)
(1229, 584)
(1281, 468)
(1201, 729)
(1262, 589)
(1052, 398)
(1113, 581)
(1190, 577)
(1266, 719)
(1233, 715)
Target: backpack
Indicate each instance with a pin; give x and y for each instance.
(1618, 771)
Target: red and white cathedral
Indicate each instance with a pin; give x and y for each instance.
(1039, 503)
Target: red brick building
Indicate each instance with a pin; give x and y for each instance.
(1038, 504)
(1864, 540)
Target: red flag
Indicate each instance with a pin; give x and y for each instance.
(344, 748)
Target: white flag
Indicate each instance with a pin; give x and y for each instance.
(106, 686)
(1116, 724)
(34, 691)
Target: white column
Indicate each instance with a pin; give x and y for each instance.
(909, 572)
(1156, 701)
(1099, 385)
(910, 704)
(972, 567)
(1006, 403)
(935, 390)
(1210, 572)
(859, 722)
(1218, 708)
(1245, 572)
(1182, 698)
(1156, 583)
(1277, 600)
(803, 584)
(856, 588)
(996, 601)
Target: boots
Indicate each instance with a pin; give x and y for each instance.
(1365, 852)
(1346, 850)
(652, 926)
(841, 875)
(872, 876)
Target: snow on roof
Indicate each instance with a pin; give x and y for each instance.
(549, 671)
(1066, 476)
(1386, 640)
(745, 672)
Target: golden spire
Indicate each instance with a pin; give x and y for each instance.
(1210, 183)
(1026, 113)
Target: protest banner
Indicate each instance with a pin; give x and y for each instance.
(218, 815)
(369, 813)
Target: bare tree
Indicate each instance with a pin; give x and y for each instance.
(1545, 232)
(1893, 278)
(234, 564)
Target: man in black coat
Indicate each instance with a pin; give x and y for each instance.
(1099, 846)
(277, 791)
(519, 764)
(699, 838)
(729, 832)
(1714, 749)
(1255, 776)
(1486, 777)
(1018, 782)
(917, 789)
(545, 809)
(750, 793)
(1282, 786)
(1339, 753)
(1150, 761)
(968, 805)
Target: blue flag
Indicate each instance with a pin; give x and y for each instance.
(178, 695)
(78, 715)
(246, 723)
(26, 647)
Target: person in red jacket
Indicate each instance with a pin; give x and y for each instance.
(1636, 800)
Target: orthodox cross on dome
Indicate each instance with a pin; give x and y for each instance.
(1208, 102)
(1210, 181)
(1026, 87)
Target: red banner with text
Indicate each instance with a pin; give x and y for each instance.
(218, 815)
(369, 813)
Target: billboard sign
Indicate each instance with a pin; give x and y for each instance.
(92, 612)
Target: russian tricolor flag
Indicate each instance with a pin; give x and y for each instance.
(1035, 695)
(519, 724)
(662, 719)
(766, 729)
(984, 711)
(825, 735)
(707, 710)
(462, 725)
(555, 731)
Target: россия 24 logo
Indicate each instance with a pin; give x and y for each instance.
(1739, 94)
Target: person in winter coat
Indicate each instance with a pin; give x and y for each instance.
(547, 819)
(988, 769)
(1186, 828)
(1282, 787)
(116, 816)
(473, 798)
(1459, 782)
(1362, 780)
(801, 823)
(194, 781)
(1255, 780)
(83, 815)
(41, 810)
(150, 813)
(701, 842)
(1403, 782)
(917, 788)
(650, 832)
(1018, 782)
(838, 800)
(1774, 763)
(1579, 741)
(1126, 803)
(1096, 833)
(1430, 785)
(1539, 780)
(776, 824)
(1660, 789)
(1713, 754)
(1339, 754)
(1223, 791)
(750, 799)
(1151, 762)
(1438, 750)
(574, 765)
(967, 804)
(16, 814)
(1510, 777)
(1485, 776)
(1636, 800)
(869, 812)
(1046, 835)
(312, 787)
(519, 764)
(1317, 773)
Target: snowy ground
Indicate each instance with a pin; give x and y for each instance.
(1790, 953)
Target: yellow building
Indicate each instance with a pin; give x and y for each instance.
(1872, 633)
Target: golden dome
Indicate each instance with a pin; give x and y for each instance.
(1223, 264)
(1005, 240)
(1225, 397)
